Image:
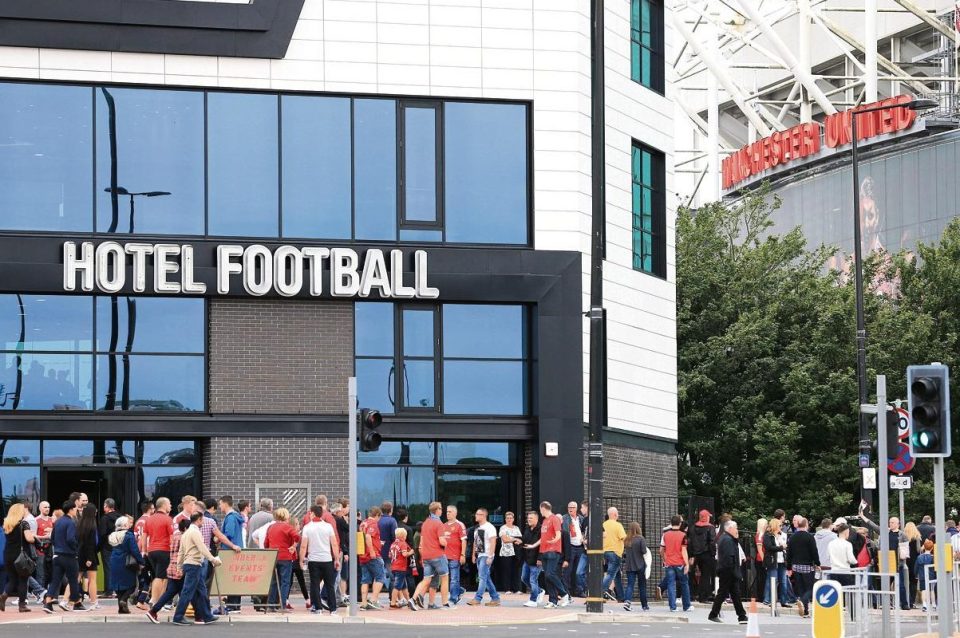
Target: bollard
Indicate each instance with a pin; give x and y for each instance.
(773, 595)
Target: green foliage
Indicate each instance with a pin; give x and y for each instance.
(767, 357)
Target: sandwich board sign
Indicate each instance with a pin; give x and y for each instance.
(827, 609)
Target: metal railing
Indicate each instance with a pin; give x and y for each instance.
(932, 613)
(864, 591)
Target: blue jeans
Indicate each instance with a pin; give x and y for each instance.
(484, 582)
(456, 591)
(551, 571)
(530, 574)
(284, 571)
(612, 574)
(784, 591)
(575, 575)
(675, 574)
(641, 580)
(194, 591)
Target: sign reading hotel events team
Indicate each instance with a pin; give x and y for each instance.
(286, 270)
(804, 140)
(244, 573)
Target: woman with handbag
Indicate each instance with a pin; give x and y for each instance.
(87, 555)
(17, 560)
(125, 563)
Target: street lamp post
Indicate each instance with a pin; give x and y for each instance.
(913, 105)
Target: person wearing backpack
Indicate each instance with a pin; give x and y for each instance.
(702, 545)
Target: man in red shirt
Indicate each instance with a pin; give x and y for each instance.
(551, 548)
(44, 529)
(433, 541)
(157, 532)
(455, 552)
(673, 551)
(371, 562)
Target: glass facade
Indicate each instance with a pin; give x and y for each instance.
(466, 474)
(649, 211)
(102, 353)
(130, 471)
(469, 359)
(195, 163)
(647, 44)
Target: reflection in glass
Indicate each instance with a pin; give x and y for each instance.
(316, 167)
(473, 453)
(375, 383)
(19, 451)
(375, 169)
(485, 187)
(156, 139)
(418, 333)
(171, 383)
(161, 325)
(46, 158)
(485, 331)
(418, 384)
(420, 164)
(45, 322)
(87, 451)
(172, 482)
(242, 164)
(373, 330)
(472, 489)
(399, 453)
(18, 484)
(169, 452)
(410, 487)
(45, 381)
(484, 387)
(420, 235)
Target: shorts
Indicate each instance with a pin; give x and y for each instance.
(400, 580)
(159, 562)
(372, 571)
(435, 567)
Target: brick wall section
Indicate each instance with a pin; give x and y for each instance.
(279, 356)
(234, 465)
(633, 472)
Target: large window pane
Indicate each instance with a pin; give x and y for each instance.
(375, 383)
(46, 161)
(157, 324)
(473, 489)
(158, 149)
(420, 164)
(484, 331)
(45, 322)
(153, 383)
(86, 451)
(473, 453)
(18, 484)
(172, 482)
(410, 487)
(45, 381)
(418, 384)
(19, 451)
(242, 164)
(373, 323)
(169, 452)
(418, 333)
(316, 167)
(399, 453)
(484, 387)
(485, 187)
(375, 168)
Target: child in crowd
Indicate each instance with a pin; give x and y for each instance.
(400, 553)
(926, 558)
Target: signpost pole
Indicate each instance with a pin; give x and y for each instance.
(884, 486)
(352, 481)
(902, 515)
(944, 591)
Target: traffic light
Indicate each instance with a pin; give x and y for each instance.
(893, 438)
(370, 439)
(929, 391)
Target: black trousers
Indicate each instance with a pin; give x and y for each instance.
(105, 561)
(507, 573)
(16, 584)
(706, 564)
(729, 586)
(803, 588)
(65, 567)
(322, 571)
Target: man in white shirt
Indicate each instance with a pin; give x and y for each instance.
(320, 555)
(484, 546)
(575, 560)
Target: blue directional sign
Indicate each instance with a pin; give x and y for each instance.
(827, 610)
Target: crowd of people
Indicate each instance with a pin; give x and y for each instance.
(166, 560)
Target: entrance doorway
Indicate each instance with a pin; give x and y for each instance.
(118, 483)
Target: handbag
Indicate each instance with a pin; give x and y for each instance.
(24, 565)
(132, 563)
(904, 551)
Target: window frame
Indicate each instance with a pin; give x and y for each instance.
(403, 223)
(657, 232)
(656, 48)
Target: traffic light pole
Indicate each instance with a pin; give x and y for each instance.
(352, 482)
(883, 485)
(945, 588)
(858, 292)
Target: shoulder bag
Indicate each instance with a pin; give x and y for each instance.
(24, 565)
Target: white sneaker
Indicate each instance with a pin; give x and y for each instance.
(564, 601)
(549, 606)
(541, 596)
(530, 603)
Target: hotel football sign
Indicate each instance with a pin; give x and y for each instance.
(288, 271)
